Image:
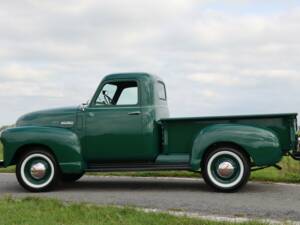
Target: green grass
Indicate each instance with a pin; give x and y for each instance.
(36, 211)
(290, 172)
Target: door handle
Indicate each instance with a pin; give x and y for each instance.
(90, 114)
(134, 113)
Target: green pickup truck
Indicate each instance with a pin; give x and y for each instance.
(126, 127)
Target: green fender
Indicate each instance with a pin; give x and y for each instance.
(63, 143)
(261, 144)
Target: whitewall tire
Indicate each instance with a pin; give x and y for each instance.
(37, 171)
(226, 169)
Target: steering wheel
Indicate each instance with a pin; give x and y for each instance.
(107, 99)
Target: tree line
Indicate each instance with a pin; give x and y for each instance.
(5, 127)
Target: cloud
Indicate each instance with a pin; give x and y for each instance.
(216, 79)
(209, 94)
(237, 57)
(15, 89)
(16, 72)
(246, 77)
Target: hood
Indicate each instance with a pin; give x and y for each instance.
(59, 117)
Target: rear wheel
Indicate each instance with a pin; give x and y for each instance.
(226, 169)
(69, 178)
(37, 171)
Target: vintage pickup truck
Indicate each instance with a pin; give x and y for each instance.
(126, 127)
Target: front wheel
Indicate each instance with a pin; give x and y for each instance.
(37, 171)
(226, 169)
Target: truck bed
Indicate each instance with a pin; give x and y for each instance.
(179, 133)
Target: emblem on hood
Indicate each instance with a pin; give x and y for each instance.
(67, 123)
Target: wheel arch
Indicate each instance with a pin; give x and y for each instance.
(261, 145)
(63, 144)
(228, 144)
(22, 150)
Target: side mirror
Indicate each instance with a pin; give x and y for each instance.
(83, 106)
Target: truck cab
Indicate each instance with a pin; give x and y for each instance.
(121, 119)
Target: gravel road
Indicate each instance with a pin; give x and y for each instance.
(256, 200)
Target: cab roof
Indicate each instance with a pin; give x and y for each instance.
(135, 75)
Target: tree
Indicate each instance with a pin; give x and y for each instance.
(5, 127)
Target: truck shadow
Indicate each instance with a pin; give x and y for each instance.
(115, 184)
(133, 184)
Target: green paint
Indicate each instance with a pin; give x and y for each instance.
(173, 158)
(143, 132)
(261, 144)
(62, 142)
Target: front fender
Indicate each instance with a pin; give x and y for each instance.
(261, 144)
(63, 143)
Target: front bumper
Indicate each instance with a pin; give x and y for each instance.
(2, 152)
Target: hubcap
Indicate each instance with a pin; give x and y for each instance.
(225, 169)
(38, 170)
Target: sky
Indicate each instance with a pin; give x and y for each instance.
(216, 57)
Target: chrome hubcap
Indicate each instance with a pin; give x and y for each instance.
(38, 170)
(225, 169)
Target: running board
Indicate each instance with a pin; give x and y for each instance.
(111, 167)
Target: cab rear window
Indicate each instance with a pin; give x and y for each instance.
(162, 91)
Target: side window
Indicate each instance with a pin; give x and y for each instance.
(129, 96)
(118, 93)
(162, 91)
(106, 95)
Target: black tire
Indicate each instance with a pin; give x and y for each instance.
(70, 178)
(37, 171)
(226, 169)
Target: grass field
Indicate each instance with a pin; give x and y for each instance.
(36, 211)
(290, 172)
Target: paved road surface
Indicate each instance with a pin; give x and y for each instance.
(273, 201)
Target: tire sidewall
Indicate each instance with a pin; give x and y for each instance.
(241, 179)
(54, 173)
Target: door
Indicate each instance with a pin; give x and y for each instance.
(113, 124)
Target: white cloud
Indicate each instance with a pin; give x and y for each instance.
(17, 72)
(229, 58)
(27, 89)
(217, 79)
(209, 94)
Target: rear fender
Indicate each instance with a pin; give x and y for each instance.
(262, 145)
(63, 143)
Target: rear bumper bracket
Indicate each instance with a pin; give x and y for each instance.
(295, 155)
